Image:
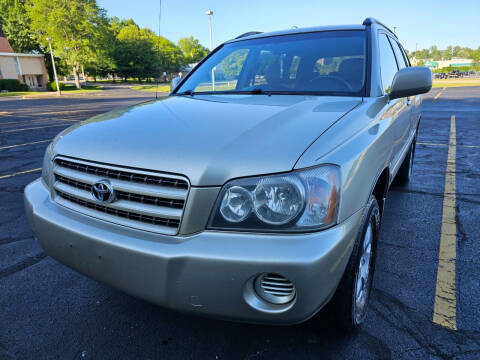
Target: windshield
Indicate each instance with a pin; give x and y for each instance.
(323, 63)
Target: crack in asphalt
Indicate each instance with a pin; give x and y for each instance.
(22, 265)
(10, 240)
(423, 192)
(460, 228)
(405, 319)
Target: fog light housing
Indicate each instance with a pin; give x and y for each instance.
(274, 288)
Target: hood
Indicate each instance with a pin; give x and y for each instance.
(211, 138)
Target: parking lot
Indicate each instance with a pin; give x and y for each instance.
(426, 297)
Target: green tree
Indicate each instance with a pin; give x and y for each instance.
(135, 54)
(15, 23)
(192, 49)
(116, 24)
(73, 25)
(101, 61)
(435, 54)
(171, 58)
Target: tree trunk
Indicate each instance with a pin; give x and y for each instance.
(75, 75)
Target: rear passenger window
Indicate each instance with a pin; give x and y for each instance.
(388, 64)
(398, 54)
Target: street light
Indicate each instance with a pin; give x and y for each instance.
(209, 13)
(49, 39)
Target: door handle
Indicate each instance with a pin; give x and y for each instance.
(409, 101)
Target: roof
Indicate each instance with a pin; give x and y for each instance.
(301, 31)
(20, 54)
(4, 44)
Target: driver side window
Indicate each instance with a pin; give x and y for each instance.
(388, 64)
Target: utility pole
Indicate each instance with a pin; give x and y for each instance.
(158, 43)
(49, 39)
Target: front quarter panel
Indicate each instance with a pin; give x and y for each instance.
(361, 144)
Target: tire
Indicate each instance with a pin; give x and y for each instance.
(350, 302)
(405, 172)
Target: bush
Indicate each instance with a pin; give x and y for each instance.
(12, 85)
(52, 86)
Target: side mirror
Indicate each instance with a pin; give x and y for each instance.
(411, 81)
(175, 81)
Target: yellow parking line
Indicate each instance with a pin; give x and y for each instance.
(445, 307)
(438, 95)
(19, 173)
(24, 144)
(457, 145)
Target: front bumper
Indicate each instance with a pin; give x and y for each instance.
(208, 273)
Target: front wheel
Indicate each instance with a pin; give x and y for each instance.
(351, 298)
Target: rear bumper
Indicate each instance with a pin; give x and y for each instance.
(209, 273)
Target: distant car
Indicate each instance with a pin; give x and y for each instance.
(454, 74)
(258, 199)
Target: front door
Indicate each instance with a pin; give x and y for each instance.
(399, 110)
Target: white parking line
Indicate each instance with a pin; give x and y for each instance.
(24, 144)
(19, 173)
(33, 128)
(3, 123)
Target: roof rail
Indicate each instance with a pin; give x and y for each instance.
(370, 20)
(248, 34)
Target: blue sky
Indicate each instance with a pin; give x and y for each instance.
(427, 22)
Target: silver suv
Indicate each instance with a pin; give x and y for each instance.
(255, 191)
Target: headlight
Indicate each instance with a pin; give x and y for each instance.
(304, 200)
(47, 166)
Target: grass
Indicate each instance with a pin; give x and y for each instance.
(19, 93)
(152, 88)
(129, 81)
(441, 83)
(69, 89)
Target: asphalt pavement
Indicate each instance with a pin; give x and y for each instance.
(48, 311)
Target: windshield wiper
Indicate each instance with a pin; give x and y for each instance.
(259, 91)
(186, 92)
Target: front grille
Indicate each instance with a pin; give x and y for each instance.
(145, 199)
(124, 214)
(105, 172)
(142, 200)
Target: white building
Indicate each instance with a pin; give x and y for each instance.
(26, 68)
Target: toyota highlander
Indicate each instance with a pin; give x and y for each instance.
(255, 190)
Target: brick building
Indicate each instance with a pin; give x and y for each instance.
(27, 68)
